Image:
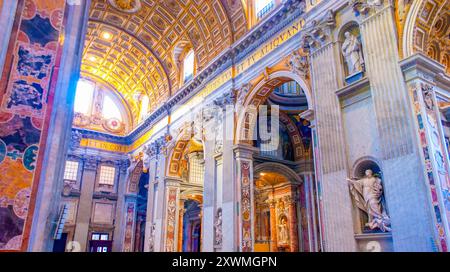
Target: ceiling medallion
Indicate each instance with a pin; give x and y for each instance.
(129, 6)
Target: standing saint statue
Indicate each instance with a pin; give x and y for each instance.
(218, 228)
(367, 193)
(352, 51)
(283, 231)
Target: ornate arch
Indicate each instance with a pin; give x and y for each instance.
(184, 140)
(365, 162)
(258, 95)
(294, 136)
(192, 194)
(427, 30)
(134, 175)
(177, 151)
(279, 169)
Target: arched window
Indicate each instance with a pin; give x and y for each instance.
(263, 7)
(259, 9)
(84, 96)
(188, 66)
(110, 109)
(97, 107)
(290, 88)
(144, 108)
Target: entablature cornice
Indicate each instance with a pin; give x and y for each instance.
(419, 66)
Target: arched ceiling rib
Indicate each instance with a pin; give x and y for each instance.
(125, 63)
(138, 58)
(425, 27)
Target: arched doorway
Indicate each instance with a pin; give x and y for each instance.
(287, 198)
(276, 209)
(141, 213)
(191, 226)
(426, 30)
(187, 168)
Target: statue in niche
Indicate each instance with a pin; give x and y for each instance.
(151, 239)
(218, 228)
(352, 51)
(97, 117)
(367, 193)
(133, 162)
(283, 232)
(146, 157)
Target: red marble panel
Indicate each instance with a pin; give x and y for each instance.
(26, 95)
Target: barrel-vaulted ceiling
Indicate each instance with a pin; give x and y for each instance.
(130, 43)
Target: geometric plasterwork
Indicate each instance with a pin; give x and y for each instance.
(138, 56)
(432, 31)
(123, 63)
(248, 120)
(129, 6)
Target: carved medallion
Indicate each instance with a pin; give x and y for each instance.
(129, 6)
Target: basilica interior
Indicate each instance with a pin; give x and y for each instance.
(225, 126)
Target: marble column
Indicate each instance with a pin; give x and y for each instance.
(90, 166)
(312, 189)
(137, 235)
(119, 223)
(60, 125)
(245, 193)
(7, 12)
(200, 216)
(208, 197)
(273, 226)
(156, 209)
(412, 226)
(293, 227)
(424, 80)
(218, 229)
(171, 222)
(326, 77)
(229, 203)
(180, 225)
(153, 196)
(130, 223)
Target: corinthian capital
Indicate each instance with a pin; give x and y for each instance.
(365, 7)
(317, 33)
(91, 162)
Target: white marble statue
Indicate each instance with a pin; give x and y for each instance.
(367, 193)
(283, 234)
(352, 51)
(218, 228)
(151, 239)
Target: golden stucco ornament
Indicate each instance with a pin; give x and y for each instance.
(129, 6)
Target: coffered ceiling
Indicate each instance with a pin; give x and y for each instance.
(130, 43)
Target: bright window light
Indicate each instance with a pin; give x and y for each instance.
(188, 67)
(263, 6)
(83, 96)
(71, 170)
(107, 175)
(110, 109)
(144, 107)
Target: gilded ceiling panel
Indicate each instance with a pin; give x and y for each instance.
(130, 43)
